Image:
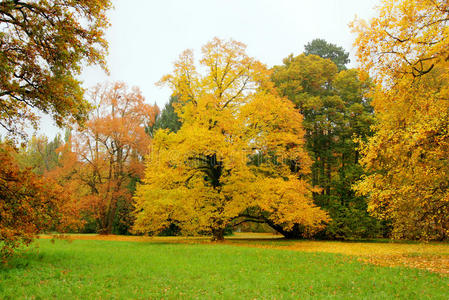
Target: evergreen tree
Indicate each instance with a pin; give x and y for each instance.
(167, 118)
(336, 110)
(327, 50)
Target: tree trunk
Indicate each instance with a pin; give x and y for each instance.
(329, 178)
(105, 230)
(295, 233)
(218, 235)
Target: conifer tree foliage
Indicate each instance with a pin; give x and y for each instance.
(323, 49)
(406, 50)
(239, 154)
(167, 118)
(43, 46)
(336, 109)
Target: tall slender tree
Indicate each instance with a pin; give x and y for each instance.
(108, 151)
(336, 110)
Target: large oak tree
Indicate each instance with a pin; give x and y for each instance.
(238, 156)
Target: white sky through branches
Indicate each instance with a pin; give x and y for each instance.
(147, 36)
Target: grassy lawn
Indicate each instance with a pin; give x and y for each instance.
(158, 269)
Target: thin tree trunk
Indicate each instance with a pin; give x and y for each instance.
(329, 178)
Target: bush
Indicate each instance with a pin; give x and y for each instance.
(28, 205)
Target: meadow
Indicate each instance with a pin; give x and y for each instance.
(240, 268)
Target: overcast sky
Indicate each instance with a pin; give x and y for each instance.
(147, 36)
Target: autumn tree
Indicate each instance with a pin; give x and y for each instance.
(405, 49)
(238, 156)
(29, 205)
(108, 152)
(43, 46)
(336, 109)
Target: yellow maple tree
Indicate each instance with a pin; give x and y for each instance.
(238, 156)
(406, 51)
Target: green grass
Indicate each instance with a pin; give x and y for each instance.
(107, 269)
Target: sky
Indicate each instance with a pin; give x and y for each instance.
(147, 36)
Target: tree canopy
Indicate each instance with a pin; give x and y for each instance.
(239, 153)
(405, 49)
(336, 109)
(106, 154)
(30, 204)
(43, 47)
(309, 147)
(323, 49)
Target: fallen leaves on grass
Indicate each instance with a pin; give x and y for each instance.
(432, 263)
(433, 257)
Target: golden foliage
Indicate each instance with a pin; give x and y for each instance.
(240, 148)
(406, 49)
